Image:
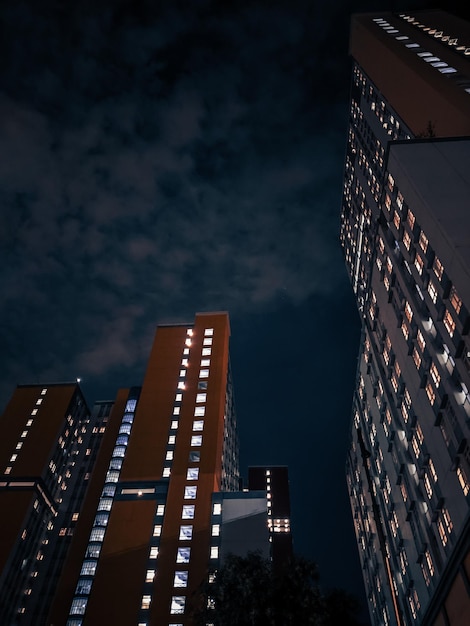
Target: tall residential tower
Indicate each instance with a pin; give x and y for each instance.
(405, 233)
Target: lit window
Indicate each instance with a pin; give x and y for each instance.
(430, 393)
(432, 470)
(174, 425)
(161, 509)
(190, 493)
(192, 473)
(169, 455)
(13, 458)
(97, 534)
(205, 362)
(166, 472)
(214, 552)
(427, 486)
(217, 509)
(423, 241)
(39, 401)
(432, 291)
(420, 340)
(177, 605)
(24, 433)
(463, 480)
(179, 397)
(396, 219)
(449, 323)
(196, 440)
(215, 530)
(29, 422)
(435, 374)
(43, 392)
(404, 412)
(207, 341)
(410, 218)
(407, 240)
(208, 332)
(172, 440)
(199, 411)
(181, 579)
(149, 576)
(186, 533)
(157, 530)
(188, 511)
(186, 351)
(34, 412)
(19, 445)
(419, 264)
(408, 311)
(444, 526)
(206, 351)
(181, 384)
(153, 552)
(176, 410)
(88, 568)
(455, 300)
(78, 606)
(201, 397)
(405, 330)
(146, 602)
(413, 600)
(183, 554)
(438, 268)
(416, 358)
(182, 373)
(198, 425)
(93, 551)
(204, 374)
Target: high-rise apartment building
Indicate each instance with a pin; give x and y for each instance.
(405, 229)
(45, 451)
(113, 515)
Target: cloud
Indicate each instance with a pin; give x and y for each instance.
(159, 162)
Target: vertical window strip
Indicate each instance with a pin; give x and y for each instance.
(100, 522)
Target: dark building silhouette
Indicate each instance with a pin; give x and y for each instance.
(274, 479)
(405, 234)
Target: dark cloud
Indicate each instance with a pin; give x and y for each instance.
(172, 156)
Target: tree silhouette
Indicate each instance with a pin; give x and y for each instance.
(247, 591)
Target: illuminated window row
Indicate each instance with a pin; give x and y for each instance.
(24, 434)
(100, 522)
(178, 602)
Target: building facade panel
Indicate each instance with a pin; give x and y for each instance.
(405, 238)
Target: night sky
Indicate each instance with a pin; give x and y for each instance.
(163, 158)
